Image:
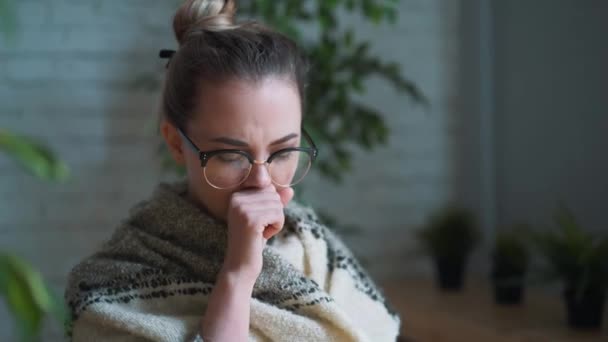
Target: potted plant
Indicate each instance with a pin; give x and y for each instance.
(510, 259)
(580, 260)
(449, 237)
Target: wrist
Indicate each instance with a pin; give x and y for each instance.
(236, 280)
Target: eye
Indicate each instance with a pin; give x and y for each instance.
(282, 155)
(230, 157)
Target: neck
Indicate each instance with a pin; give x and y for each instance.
(191, 196)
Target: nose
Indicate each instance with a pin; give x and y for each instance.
(259, 177)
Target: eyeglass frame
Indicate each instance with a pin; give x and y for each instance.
(204, 156)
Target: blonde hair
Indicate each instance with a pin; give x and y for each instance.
(211, 15)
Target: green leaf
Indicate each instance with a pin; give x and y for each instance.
(8, 21)
(372, 11)
(33, 157)
(267, 9)
(27, 296)
(510, 250)
(330, 4)
(572, 254)
(348, 38)
(450, 232)
(350, 5)
(391, 14)
(325, 22)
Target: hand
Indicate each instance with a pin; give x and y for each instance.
(254, 216)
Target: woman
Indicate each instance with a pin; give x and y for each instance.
(225, 255)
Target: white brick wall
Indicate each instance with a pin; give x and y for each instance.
(66, 80)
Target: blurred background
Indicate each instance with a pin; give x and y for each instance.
(497, 108)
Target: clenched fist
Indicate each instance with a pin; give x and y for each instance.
(254, 216)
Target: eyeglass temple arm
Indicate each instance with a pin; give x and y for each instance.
(190, 142)
(312, 143)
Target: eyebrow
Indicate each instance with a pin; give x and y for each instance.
(235, 142)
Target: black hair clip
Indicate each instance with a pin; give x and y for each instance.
(166, 54)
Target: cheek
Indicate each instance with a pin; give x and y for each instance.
(217, 202)
(214, 200)
(192, 163)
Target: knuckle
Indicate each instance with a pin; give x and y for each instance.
(250, 221)
(235, 200)
(242, 211)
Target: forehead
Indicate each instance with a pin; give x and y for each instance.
(245, 109)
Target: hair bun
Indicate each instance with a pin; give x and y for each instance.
(209, 15)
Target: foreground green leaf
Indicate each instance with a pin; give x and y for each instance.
(27, 296)
(34, 157)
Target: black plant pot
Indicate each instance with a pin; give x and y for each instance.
(509, 281)
(450, 272)
(586, 311)
(508, 294)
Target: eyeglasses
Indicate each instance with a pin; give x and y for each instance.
(229, 168)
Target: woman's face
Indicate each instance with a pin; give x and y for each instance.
(259, 118)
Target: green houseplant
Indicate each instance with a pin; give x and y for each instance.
(449, 237)
(7, 18)
(580, 260)
(510, 260)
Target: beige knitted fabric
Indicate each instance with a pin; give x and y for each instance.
(152, 280)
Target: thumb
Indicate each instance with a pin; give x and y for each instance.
(286, 195)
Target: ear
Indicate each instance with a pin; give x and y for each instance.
(173, 140)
